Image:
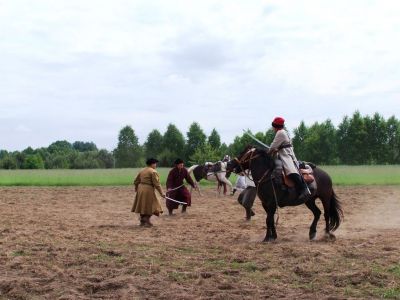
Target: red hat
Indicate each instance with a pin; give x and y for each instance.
(278, 122)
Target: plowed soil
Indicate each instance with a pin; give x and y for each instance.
(84, 243)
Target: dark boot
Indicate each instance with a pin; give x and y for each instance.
(148, 223)
(301, 187)
(278, 174)
(142, 220)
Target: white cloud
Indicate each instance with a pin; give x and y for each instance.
(83, 69)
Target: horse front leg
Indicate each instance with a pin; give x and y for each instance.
(198, 188)
(270, 222)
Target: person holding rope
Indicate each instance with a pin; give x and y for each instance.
(146, 202)
(282, 146)
(177, 193)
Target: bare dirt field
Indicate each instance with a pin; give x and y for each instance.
(83, 243)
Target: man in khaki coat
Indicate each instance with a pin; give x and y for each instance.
(283, 146)
(146, 202)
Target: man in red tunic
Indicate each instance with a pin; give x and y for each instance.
(176, 189)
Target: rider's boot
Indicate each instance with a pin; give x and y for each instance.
(301, 188)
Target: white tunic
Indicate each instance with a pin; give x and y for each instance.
(286, 154)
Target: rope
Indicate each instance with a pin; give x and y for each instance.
(176, 188)
(173, 200)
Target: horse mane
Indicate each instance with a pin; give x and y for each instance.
(264, 154)
(246, 149)
(190, 170)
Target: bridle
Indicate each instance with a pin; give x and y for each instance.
(247, 158)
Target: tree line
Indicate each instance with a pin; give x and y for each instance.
(356, 140)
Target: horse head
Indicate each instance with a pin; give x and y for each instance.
(243, 161)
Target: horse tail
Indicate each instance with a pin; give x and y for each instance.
(190, 170)
(335, 212)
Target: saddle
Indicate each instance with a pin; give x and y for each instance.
(306, 171)
(307, 174)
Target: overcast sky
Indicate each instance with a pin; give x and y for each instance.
(81, 70)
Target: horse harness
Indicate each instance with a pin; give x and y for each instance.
(263, 177)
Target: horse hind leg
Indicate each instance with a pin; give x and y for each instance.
(328, 234)
(317, 213)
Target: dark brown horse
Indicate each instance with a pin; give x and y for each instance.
(261, 165)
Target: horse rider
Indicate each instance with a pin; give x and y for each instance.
(283, 147)
(176, 189)
(146, 202)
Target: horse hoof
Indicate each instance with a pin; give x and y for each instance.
(269, 240)
(313, 236)
(330, 237)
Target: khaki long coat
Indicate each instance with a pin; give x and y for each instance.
(286, 154)
(146, 201)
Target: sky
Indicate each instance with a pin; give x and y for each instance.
(81, 70)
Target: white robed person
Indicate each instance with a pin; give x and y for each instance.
(282, 146)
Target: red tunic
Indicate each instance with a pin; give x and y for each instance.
(174, 180)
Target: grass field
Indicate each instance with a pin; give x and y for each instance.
(93, 177)
(341, 175)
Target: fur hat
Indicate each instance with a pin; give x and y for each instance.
(178, 161)
(151, 161)
(278, 122)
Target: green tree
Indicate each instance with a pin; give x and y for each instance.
(28, 151)
(239, 143)
(85, 160)
(3, 153)
(358, 147)
(154, 144)
(33, 161)
(203, 154)
(19, 159)
(60, 147)
(84, 146)
(298, 141)
(166, 158)
(128, 153)
(393, 140)
(320, 144)
(173, 145)
(269, 136)
(105, 159)
(352, 140)
(58, 161)
(343, 140)
(214, 140)
(8, 162)
(195, 139)
(224, 149)
(376, 139)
